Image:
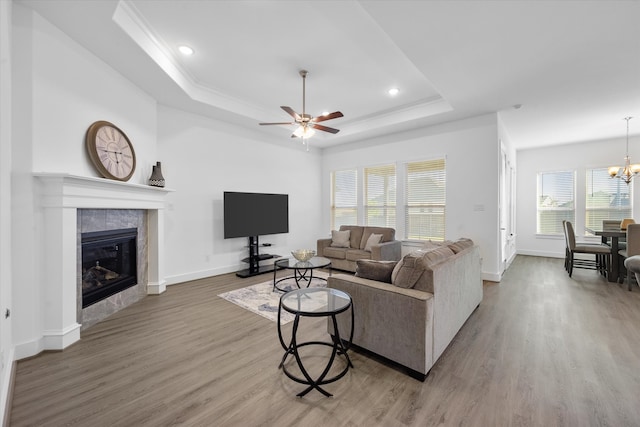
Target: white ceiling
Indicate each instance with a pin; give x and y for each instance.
(574, 66)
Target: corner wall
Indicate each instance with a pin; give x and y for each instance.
(472, 152)
(579, 157)
(202, 158)
(59, 89)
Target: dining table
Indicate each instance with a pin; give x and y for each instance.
(614, 234)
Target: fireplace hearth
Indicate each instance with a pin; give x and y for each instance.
(109, 263)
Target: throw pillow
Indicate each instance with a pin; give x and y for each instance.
(396, 269)
(435, 256)
(374, 239)
(432, 244)
(340, 239)
(408, 270)
(460, 245)
(375, 270)
(413, 265)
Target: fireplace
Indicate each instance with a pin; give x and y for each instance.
(109, 263)
(64, 199)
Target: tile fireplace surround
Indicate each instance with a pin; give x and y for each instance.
(61, 196)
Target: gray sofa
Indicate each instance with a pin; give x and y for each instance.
(412, 320)
(344, 258)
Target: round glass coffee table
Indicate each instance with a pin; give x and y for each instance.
(315, 302)
(302, 270)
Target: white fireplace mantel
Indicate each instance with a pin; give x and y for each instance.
(72, 191)
(60, 196)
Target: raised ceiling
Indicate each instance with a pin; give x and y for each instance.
(573, 66)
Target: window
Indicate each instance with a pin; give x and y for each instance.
(425, 200)
(555, 201)
(606, 198)
(380, 196)
(344, 200)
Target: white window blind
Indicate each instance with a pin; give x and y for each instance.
(555, 201)
(426, 200)
(606, 198)
(344, 198)
(380, 196)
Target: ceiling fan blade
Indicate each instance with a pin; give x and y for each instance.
(325, 128)
(291, 112)
(333, 115)
(280, 123)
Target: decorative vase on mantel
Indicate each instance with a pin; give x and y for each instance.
(156, 179)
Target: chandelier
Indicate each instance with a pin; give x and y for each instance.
(628, 171)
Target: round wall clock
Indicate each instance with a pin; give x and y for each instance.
(110, 151)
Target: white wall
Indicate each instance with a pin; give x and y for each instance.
(202, 158)
(72, 89)
(472, 152)
(59, 89)
(6, 339)
(579, 157)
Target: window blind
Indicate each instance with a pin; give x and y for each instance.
(606, 198)
(425, 200)
(556, 193)
(344, 198)
(380, 196)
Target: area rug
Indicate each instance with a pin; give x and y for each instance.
(261, 299)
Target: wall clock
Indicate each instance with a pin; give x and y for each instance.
(110, 151)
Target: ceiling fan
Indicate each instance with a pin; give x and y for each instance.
(307, 123)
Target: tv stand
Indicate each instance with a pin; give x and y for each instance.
(254, 259)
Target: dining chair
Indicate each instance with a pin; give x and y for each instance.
(599, 258)
(632, 249)
(602, 253)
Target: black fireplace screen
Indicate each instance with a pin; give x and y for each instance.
(108, 263)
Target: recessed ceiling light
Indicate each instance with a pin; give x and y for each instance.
(393, 91)
(325, 113)
(185, 50)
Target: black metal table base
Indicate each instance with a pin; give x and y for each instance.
(299, 276)
(338, 349)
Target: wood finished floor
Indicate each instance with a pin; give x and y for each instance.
(542, 349)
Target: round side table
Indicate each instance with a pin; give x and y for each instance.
(315, 302)
(302, 270)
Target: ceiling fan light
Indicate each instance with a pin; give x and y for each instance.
(304, 132)
(185, 50)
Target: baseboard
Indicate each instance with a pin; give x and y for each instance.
(541, 253)
(181, 278)
(155, 288)
(8, 382)
(61, 339)
(510, 260)
(196, 275)
(492, 277)
(28, 349)
(202, 274)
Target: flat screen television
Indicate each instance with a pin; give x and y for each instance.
(255, 214)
